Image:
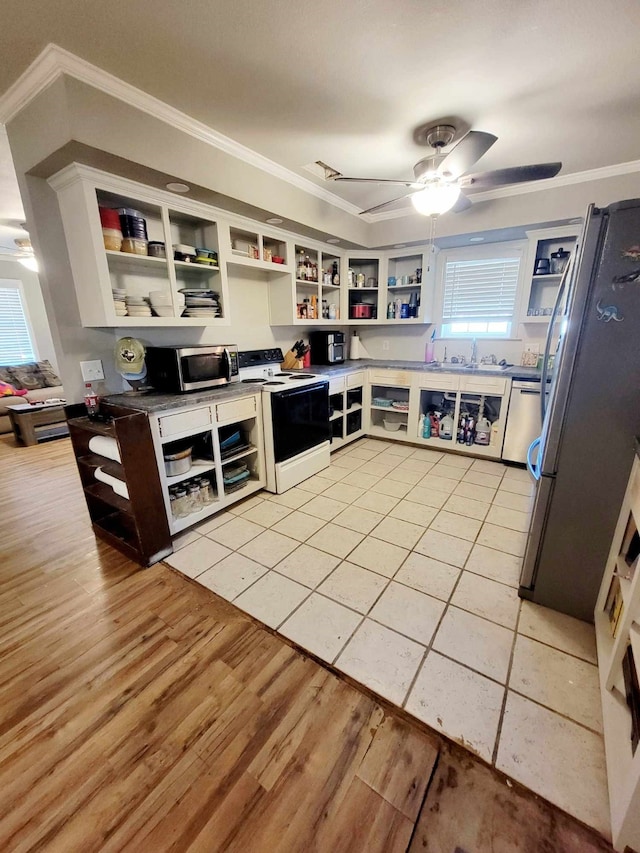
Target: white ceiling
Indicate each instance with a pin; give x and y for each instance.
(348, 82)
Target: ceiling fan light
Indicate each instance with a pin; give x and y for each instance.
(435, 199)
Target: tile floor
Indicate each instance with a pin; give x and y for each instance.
(400, 567)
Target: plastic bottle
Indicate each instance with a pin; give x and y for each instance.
(446, 428)
(483, 431)
(495, 429)
(435, 424)
(471, 431)
(421, 427)
(426, 427)
(91, 401)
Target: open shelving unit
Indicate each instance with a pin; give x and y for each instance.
(136, 525)
(617, 624)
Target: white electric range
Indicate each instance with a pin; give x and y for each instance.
(295, 408)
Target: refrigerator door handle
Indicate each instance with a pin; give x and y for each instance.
(547, 343)
(531, 465)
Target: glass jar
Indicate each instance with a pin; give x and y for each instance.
(193, 497)
(207, 493)
(180, 503)
(559, 261)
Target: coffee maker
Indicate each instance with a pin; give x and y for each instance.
(327, 347)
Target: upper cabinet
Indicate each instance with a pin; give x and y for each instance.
(162, 267)
(549, 252)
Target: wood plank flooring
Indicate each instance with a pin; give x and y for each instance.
(138, 711)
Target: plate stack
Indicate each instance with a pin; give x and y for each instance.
(119, 300)
(201, 303)
(138, 306)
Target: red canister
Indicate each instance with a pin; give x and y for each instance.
(109, 218)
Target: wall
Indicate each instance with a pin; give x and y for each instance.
(34, 306)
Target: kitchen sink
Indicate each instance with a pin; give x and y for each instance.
(492, 368)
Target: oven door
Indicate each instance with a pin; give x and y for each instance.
(300, 418)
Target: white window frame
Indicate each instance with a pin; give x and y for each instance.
(17, 284)
(510, 249)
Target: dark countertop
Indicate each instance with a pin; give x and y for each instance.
(153, 402)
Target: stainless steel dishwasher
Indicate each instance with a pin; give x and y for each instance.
(523, 420)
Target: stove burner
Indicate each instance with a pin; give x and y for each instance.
(303, 376)
(254, 381)
(274, 383)
(282, 374)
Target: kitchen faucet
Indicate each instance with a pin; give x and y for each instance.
(474, 352)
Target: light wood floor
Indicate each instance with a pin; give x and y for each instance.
(140, 712)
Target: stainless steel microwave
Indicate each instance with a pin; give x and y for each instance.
(179, 370)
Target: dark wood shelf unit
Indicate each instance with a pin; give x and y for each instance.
(138, 526)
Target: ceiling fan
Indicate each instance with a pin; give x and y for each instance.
(441, 178)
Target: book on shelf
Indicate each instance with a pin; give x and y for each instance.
(614, 605)
(632, 694)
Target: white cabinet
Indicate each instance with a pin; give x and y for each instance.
(346, 398)
(225, 437)
(312, 294)
(97, 272)
(617, 622)
(408, 285)
(541, 287)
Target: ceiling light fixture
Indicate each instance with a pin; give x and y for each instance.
(332, 240)
(178, 188)
(435, 198)
(273, 221)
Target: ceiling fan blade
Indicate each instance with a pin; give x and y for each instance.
(467, 152)
(514, 175)
(386, 204)
(414, 184)
(462, 204)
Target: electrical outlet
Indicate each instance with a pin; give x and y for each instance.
(92, 370)
(385, 345)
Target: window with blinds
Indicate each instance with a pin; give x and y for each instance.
(479, 296)
(15, 339)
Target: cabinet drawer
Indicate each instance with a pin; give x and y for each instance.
(439, 381)
(355, 380)
(483, 384)
(190, 420)
(390, 377)
(236, 410)
(336, 385)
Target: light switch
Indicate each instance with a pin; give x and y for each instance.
(92, 370)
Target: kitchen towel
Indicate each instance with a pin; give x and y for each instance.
(118, 486)
(357, 349)
(104, 445)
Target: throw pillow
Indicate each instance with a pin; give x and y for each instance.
(26, 376)
(6, 375)
(47, 374)
(7, 390)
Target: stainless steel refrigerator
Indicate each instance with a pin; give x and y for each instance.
(582, 460)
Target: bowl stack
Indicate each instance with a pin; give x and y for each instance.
(119, 300)
(201, 303)
(138, 306)
(161, 303)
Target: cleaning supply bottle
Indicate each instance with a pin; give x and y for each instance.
(435, 424)
(495, 430)
(446, 428)
(421, 426)
(483, 431)
(426, 426)
(429, 350)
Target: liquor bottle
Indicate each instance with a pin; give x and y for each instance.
(336, 273)
(300, 270)
(91, 401)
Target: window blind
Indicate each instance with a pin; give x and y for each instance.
(480, 289)
(15, 340)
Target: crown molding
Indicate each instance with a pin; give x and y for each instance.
(55, 62)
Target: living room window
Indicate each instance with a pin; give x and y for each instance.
(16, 345)
(479, 288)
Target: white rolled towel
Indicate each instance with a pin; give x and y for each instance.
(104, 445)
(118, 486)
